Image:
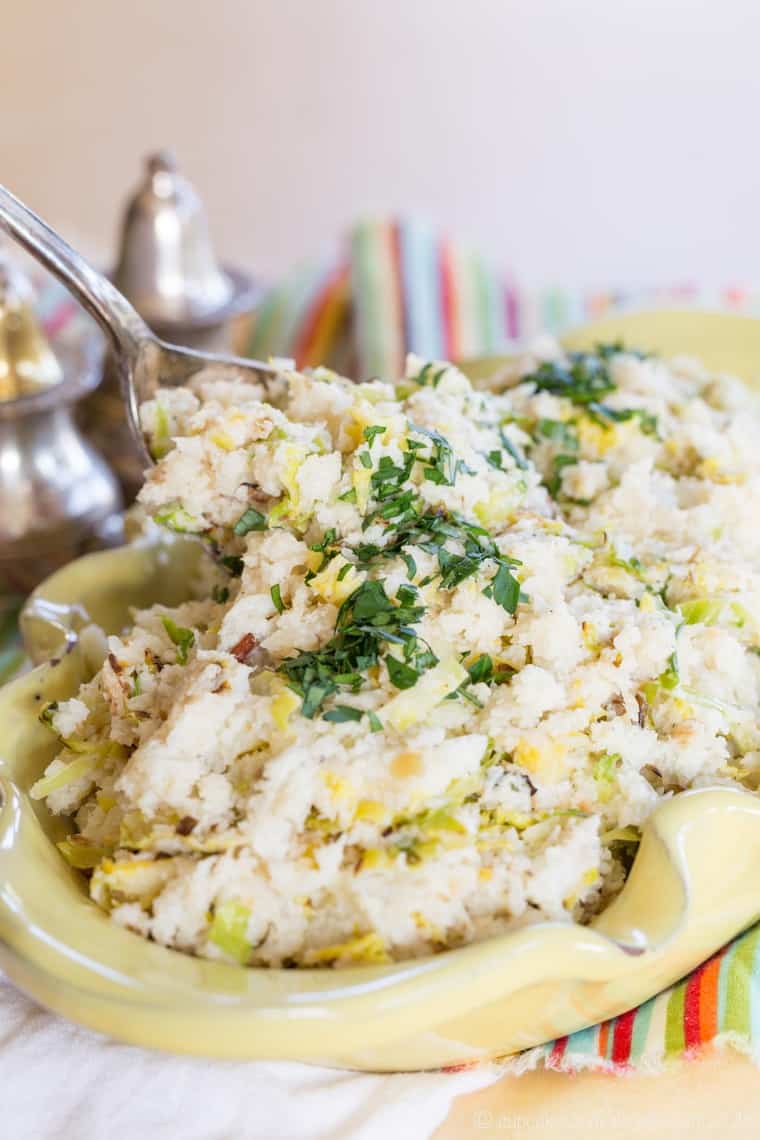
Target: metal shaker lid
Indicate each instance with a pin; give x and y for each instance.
(166, 265)
(27, 362)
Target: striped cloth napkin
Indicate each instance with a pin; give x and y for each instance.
(718, 1004)
(395, 287)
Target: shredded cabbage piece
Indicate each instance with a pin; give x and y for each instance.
(67, 775)
(229, 930)
(82, 856)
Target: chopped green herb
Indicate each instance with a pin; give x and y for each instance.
(559, 432)
(342, 713)
(401, 675)
(326, 549)
(348, 496)
(370, 433)
(506, 443)
(411, 565)
(608, 349)
(441, 467)
(431, 375)
(368, 621)
(481, 669)
(327, 539)
(632, 565)
(603, 414)
(504, 589)
(276, 596)
(585, 379)
(560, 462)
(374, 721)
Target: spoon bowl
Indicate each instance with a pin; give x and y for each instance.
(144, 361)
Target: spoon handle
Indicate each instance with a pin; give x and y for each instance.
(122, 324)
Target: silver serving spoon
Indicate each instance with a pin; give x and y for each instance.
(144, 361)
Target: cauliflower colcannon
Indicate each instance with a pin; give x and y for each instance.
(450, 649)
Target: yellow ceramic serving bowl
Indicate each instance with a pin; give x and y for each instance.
(692, 887)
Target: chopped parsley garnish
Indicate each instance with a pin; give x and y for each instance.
(504, 589)
(559, 432)
(509, 447)
(603, 414)
(276, 596)
(402, 676)
(431, 375)
(251, 519)
(369, 433)
(440, 467)
(585, 379)
(560, 462)
(368, 622)
(481, 669)
(608, 349)
(631, 565)
(430, 531)
(326, 549)
(184, 639)
(341, 713)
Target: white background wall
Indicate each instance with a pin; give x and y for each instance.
(580, 141)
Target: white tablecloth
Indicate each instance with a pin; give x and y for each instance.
(60, 1082)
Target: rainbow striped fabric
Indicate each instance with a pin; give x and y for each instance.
(395, 287)
(717, 1004)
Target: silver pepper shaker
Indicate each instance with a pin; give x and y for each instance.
(58, 497)
(167, 268)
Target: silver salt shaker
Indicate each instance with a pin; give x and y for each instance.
(167, 268)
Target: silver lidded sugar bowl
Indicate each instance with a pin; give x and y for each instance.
(58, 497)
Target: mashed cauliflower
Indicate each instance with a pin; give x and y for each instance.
(458, 645)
